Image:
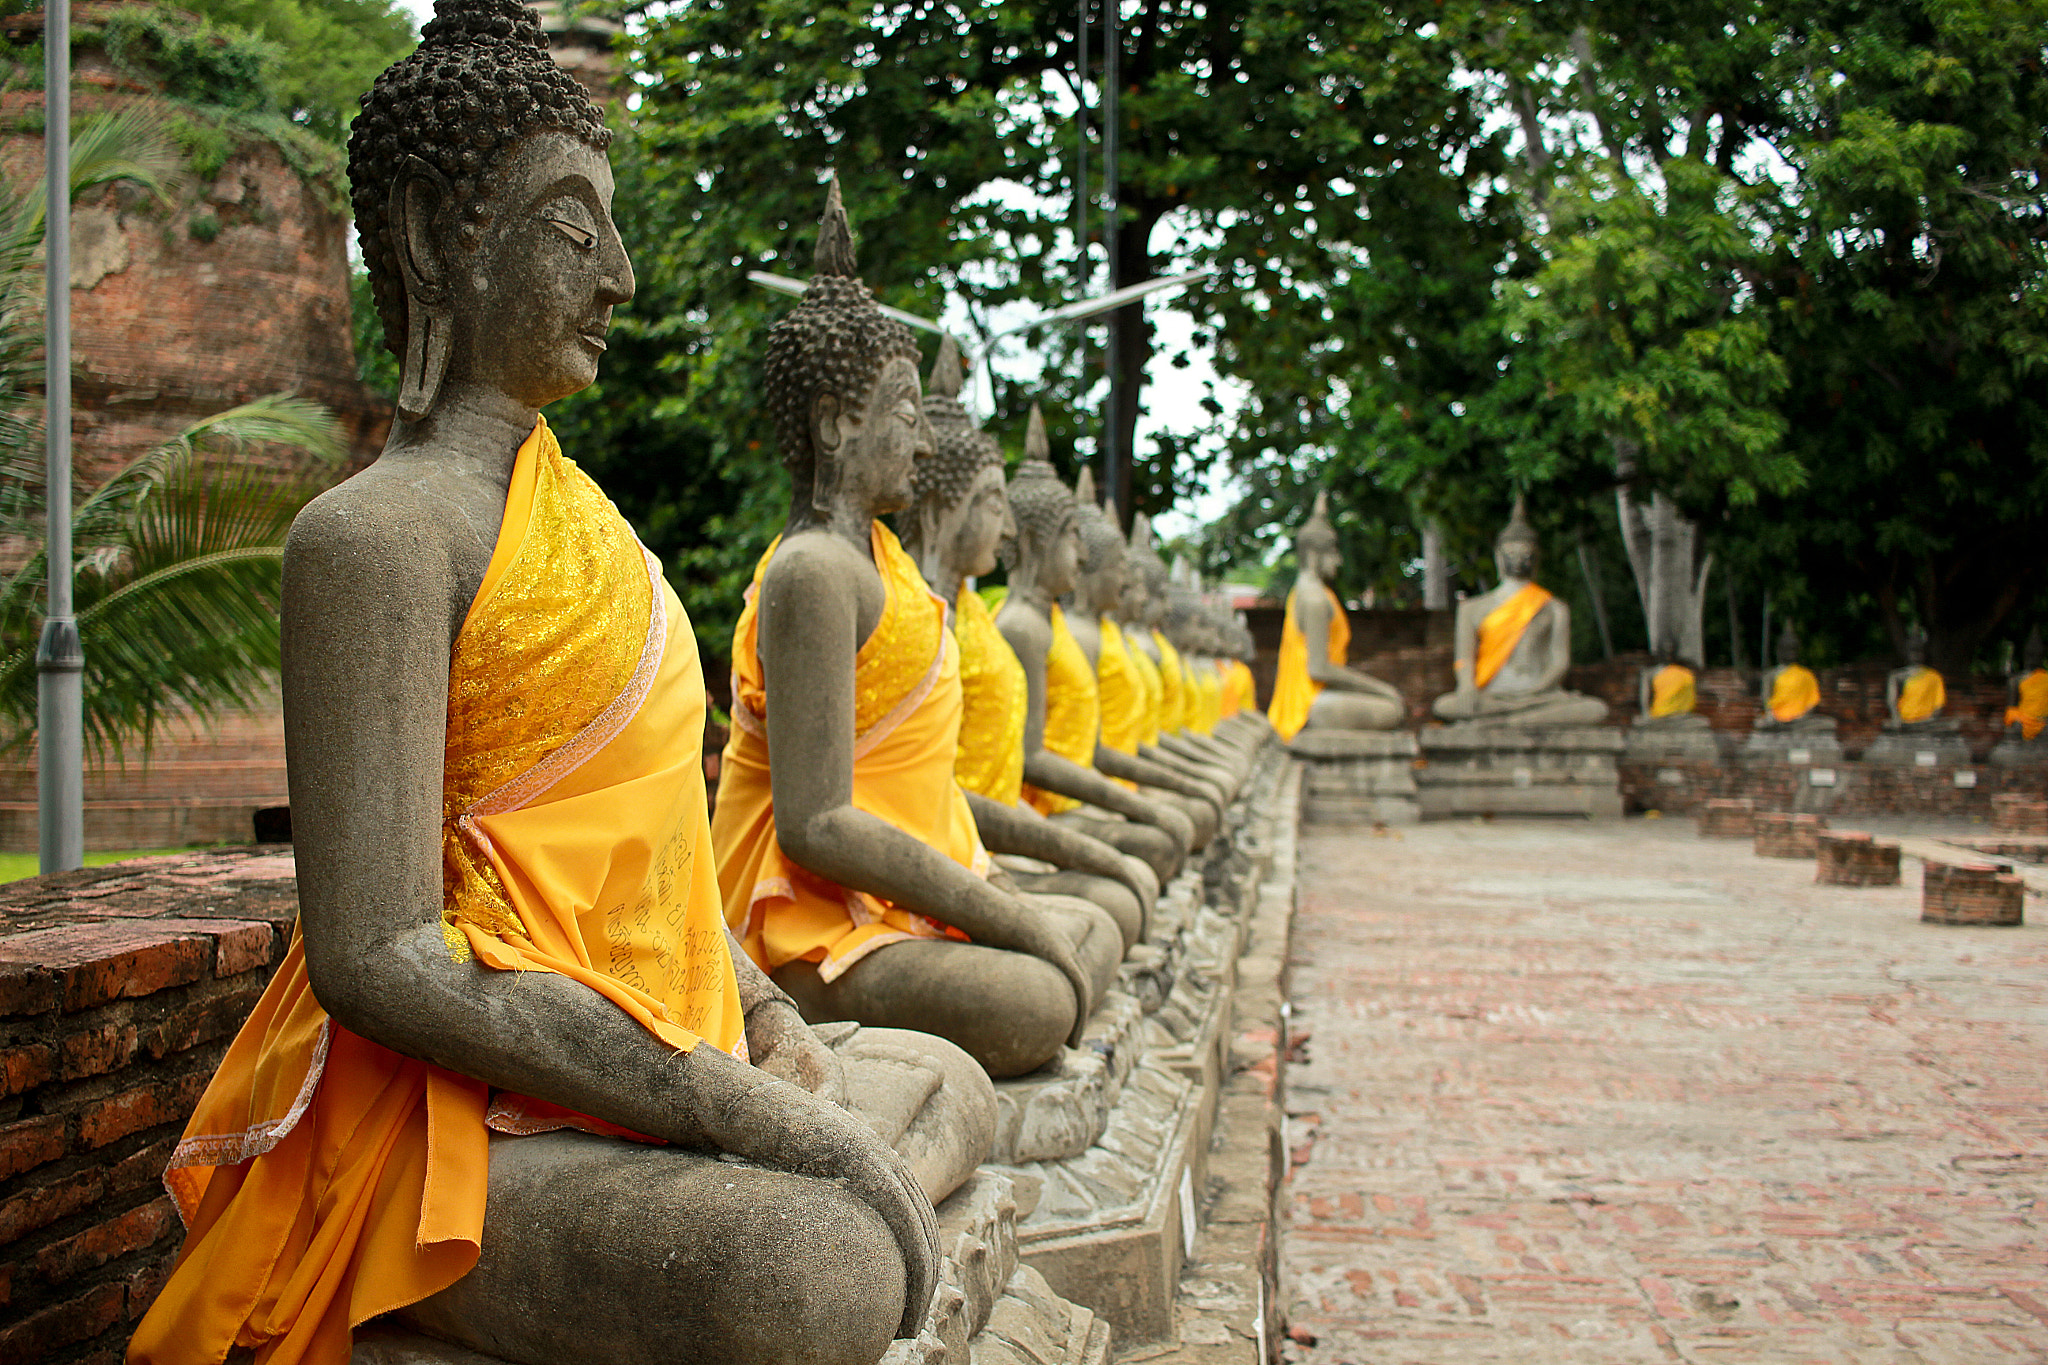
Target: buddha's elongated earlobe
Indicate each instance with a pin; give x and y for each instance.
(827, 443)
(417, 198)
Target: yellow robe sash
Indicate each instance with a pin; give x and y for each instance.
(1121, 690)
(1155, 691)
(1294, 692)
(1794, 692)
(1209, 689)
(1672, 692)
(1501, 629)
(906, 735)
(2031, 715)
(324, 1179)
(993, 701)
(1922, 695)
(1073, 710)
(1173, 696)
(1247, 689)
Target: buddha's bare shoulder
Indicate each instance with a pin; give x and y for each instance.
(817, 560)
(416, 538)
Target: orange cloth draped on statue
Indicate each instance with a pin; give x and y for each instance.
(993, 703)
(1247, 688)
(906, 725)
(1155, 690)
(1207, 707)
(1120, 688)
(1294, 692)
(1501, 629)
(1173, 697)
(2031, 715)
(1672, 692)
(1073, 710)
(1922, 696)
(1794, 692)
(325, 1179)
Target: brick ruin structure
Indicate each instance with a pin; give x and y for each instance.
(1783, 835)
(1852, 858)
(1972, 894)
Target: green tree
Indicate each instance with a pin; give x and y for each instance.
(327, 51)
(177, 557)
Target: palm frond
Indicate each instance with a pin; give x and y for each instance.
(129, 146)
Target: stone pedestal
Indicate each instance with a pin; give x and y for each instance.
(2021, 753)
(1728, 817)
(1851, 858)
(1919, 749)
(2015, 813)
(1651, 744)
(1357, 777)
(1780, 835)
(1810, 748)
(1478, 769)
(1972, 893)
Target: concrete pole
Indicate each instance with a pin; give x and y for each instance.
(1116, 462)
(60, 660)
(1436, 577)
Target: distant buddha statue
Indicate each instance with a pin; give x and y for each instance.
(852, 867)
(1063, 719)
(1314, 688)
(2026, 719)
(1915, 695)
(1176, 742)
(1791, 693)
(1666, 694)
(490, 1087)
(1514, 646)
(960, 513)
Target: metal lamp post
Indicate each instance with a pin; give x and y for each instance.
(60, 660)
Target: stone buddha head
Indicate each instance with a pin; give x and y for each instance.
(1045, 552)
(1916, 647)
(842, 385)
(1788, 646)
(1101, 586)
(1148, 572)
(1315, 544)
(1514, 553)
(2030, 652)
(482, 197)
(960, 510)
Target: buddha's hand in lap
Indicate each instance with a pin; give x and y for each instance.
(783, 1045)
(782, 1126)
(1142, 880)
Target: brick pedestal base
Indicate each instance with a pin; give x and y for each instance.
(1728, 818)
(1849, 858)
(1971, 893)
(1780, 835)
(2015, 813)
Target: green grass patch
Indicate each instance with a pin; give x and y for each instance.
(15, 866)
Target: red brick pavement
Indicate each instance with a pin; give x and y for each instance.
(1611, 1093)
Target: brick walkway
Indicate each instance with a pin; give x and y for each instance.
(1611, 1093)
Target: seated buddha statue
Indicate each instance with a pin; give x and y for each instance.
(853, 871)
(1791, 694)
(2026, 720)
(1514, 646)
(1125, 705)
(1063, 715)
(1915, 695)
(1313, 688)
(1177, 742)
(1666, 694)
(490, 1091)
(959, 515)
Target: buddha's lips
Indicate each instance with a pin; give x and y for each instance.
(594, 334)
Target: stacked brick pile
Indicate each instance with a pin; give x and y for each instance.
(1850, 858)
(1780, 835)
(120, 988)
(1728, 818)
(1971, 893)
(2017, 813)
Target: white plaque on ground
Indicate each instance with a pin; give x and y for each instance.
(1799, 756)
(1524, 777)
(1820, 777)
(1966, 777)
(1187, 1212)
(1926, 758)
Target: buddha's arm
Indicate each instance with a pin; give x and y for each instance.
(1643, 691)
(809, 639)
(778, 1039)
(1030, 639)
(1465, 651)
(1891, 693)
(1006, 829)
(1558, 661)
(1143, 771)
(367, 620)
(1312, 615)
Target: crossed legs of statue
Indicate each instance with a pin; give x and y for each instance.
(1354, 711)
(613, 1252)
(1545, 708)
(1009, 1011)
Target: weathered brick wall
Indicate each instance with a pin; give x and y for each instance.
(120, 988)
(1781, 835)
(1852, 858)
(1858, 788)
(1964, 893)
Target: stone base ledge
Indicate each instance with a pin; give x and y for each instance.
(1353, 744)
(1905, 750)
(1483, 736)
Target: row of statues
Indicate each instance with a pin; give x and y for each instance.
(561, 1065)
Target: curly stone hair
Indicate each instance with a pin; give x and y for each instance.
(961, 448)
(1145, 560)
(480, 80)
(1100, 536)
(1038, 500)
(834, 342)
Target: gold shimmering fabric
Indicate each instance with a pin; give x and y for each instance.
(1155, 689)
(1120, 691)
(1173, 695)
(1073, 709)
(994, 702)
(907, 735)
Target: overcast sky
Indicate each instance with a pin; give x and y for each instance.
(1168, 390)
